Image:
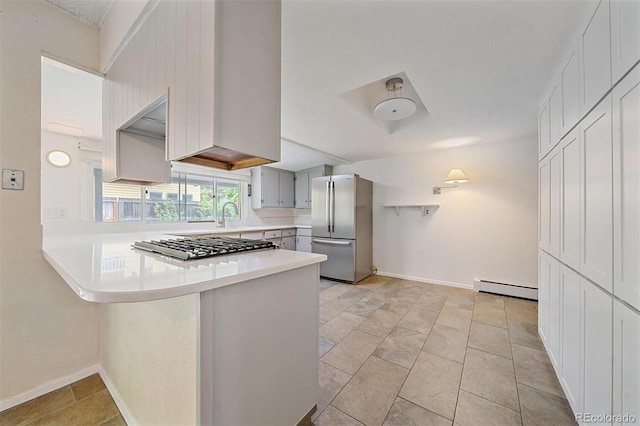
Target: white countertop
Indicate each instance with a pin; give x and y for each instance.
(104, 268)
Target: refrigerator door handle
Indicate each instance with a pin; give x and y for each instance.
(333, 206)
(328, 206)
(331, 242)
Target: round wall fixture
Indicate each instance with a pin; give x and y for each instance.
(58, 158)
(395, 108)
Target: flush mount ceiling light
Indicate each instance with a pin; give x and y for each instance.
(454, 177)
(58, 158)
(396, 107)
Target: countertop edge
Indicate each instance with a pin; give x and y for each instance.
(167, 293)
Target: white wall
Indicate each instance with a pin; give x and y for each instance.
(46, 331)
(64, 189)
(484, 229)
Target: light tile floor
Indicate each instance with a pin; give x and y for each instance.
(399, 352)
(85, 402)
(393, 352)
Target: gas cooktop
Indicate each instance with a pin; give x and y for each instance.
(198, 248)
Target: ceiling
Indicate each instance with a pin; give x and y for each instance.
(88, 11)
(72, 98)
(479, 67)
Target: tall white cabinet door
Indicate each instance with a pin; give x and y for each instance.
(287, 190)
(597, 332)
(570, 200)
(543, 295)
(555, 116)
(270, 185)
(595, 57)
(543, 130)
(555, 318)
(570, 81)
(571, 345)
(555, 185)
(543, 205)
(596, 257)
(625, 36)
(626, 184)
(626, 367)
(302, 190)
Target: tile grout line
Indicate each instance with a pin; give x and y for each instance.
(455, 408)
(515, 377)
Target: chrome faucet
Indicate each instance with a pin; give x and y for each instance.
(235, 207)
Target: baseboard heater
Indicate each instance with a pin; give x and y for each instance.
(506, 289)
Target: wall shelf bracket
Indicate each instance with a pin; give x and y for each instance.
(424, 208)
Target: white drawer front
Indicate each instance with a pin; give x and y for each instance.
(289, 232)
(304, 232)
(272, 234)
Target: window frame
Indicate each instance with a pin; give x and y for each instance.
(95, 202)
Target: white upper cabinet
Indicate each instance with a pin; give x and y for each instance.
(626, 183)
(597, 351)
(626, 368)
(555, 116)
(544, 199)
(555, 186)
(570, 81)
(596, 221)
(595, 57)
(543, 130)
(570, 200)
(625, 36)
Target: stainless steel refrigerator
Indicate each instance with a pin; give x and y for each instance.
(342, 226)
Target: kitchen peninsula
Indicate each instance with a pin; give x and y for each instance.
(222, 340)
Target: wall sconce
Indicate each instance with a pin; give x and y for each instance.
(454, 177)
(58, 158)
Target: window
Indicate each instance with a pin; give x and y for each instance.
(188, 197)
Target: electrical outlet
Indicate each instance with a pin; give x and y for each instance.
(12, 179)
(55, 213)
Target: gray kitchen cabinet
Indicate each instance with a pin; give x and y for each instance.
(286, 185)
(288, 243)
(303, 240)
(303, 184)
(303, 196)
(271, 188)
(270, 195)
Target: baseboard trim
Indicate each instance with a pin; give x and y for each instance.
(504, 289)
(124, 410)
(425, 280)
(47, 387)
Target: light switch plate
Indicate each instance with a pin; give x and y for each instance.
(12, 179)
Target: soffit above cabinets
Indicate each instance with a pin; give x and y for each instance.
(87, 11)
